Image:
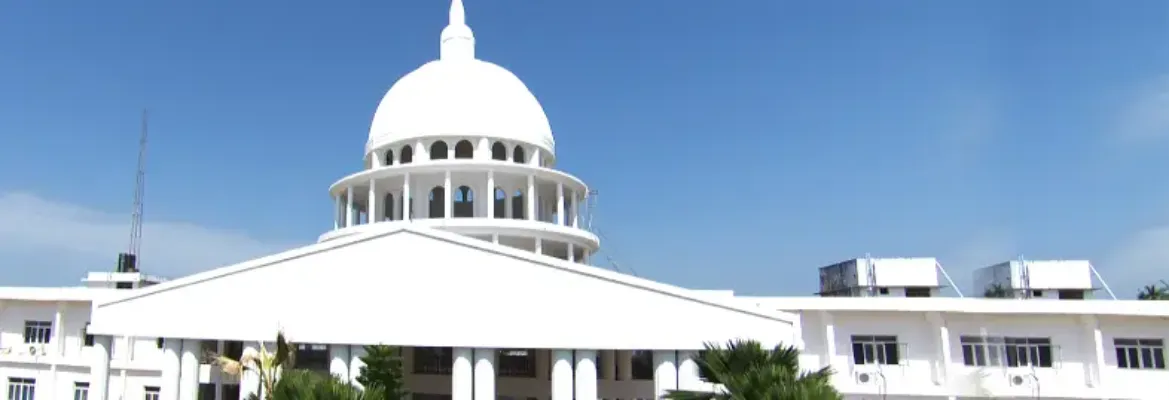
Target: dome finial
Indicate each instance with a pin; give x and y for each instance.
(458, 42)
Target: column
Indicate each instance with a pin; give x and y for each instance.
(449, 199)
(339, 214)
(372, 204)
(1095, 348)
(99, 372)
(665, 372)
(490, 194)
(349, 214)
(168, 388)
(339, 361)
(189, 370)
(624, 365)
(829, 340)
(562, 375)
(484, 381)
(507, 207)
(356, 351)
(688, 377)
(608, 369)
(586, 375)
(539, 246)
(571, 253)
(58, 338)
(462, 374)
(560, 204)
(575, 211)
(406, 198)
(249, 380)
(530, 198)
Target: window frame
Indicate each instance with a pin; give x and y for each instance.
(38, 331)
(876, 350)
(20, 388)
(1148, 353)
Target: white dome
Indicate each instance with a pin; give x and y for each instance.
(460, 97)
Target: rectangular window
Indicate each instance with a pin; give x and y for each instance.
(85, 334)
(313, 357)
(233, 349)
(22, 388)
(80, 390)
(207, 391)
(1140, 353)
(433, 360)
(642, 366)
(917, 292)
(520, 363)
(159, 342)
(37, 331)
(229, 391)
(1013, 352)
(875, 350)
(151, 393)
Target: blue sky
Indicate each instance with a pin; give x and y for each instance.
(734, 144)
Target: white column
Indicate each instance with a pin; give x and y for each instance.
(339, 214)
(249, 382)
(586, 375)
(608, 369)
(1095, 347)
(355, 353)
(507, 211)
(624, 365)
(349, 211)
(406, 198)
(339, 361)
(688, 377)
(450, 196)
(58, 338)
(665, 372)
(829, 340)
(571, 253)
(530, 198)
(560, 204)
(99, 371)
(189, 370)
(562, 375)
(575, 211)
(484, 373)
(371, 205)
(490, 194)
(539, 246)
(168, 388)
(462, 375)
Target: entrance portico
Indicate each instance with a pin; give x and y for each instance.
(424, 289)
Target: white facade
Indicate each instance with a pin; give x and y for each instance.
(497, 298)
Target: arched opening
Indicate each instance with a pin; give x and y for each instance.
(499, 203)
(388, 207)
(518, 155)
(437, 202)
(389, 157)
(438, 150)
(499, 152)
(517, 205)
(464, 149)
(464, 203)
(406, 155)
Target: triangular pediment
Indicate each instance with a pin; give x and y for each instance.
(424, 287)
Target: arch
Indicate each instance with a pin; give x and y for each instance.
(464, 149)
(499, 152)
(499, 203)
(388, 207)
(518, 205)
(464, 202)
(518, 154)
(438, 150)
(389, 157)
(406, 156)
(437, 202)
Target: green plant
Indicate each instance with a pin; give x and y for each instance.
(383, 371)
(996, 291)
(747, 371)
(268, 365)
(297, 384)
(1154, 292)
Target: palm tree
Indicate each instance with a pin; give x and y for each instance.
(996, 291)
(1153, 292)
(747, 371)
(297, 384)
(268, 365)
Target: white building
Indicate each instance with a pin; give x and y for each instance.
(458, 128)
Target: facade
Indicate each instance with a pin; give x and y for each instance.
(494, 297)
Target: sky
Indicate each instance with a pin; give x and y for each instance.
(733, 145)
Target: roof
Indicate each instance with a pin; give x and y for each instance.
(968, 305)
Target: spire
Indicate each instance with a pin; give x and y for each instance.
(458, 42)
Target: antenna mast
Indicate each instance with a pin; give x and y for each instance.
(139, 192)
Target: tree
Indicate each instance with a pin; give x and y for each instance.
(297, 384)
(996, 291)
(383, 370)
(1154, 292)
(747, 371)
(268, 365)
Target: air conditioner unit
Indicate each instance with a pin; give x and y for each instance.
(867, 377)
(32, 350)
(1017, 380)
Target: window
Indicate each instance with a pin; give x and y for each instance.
(1140, 353)
(433, 360)
(917, 292)
(1009, 351)
(229, 391)
(313, 357)
(233, 349)
(151, 393)
(80, 390)
(883, 290)
(1069, 294)
(37, 331)
(642, 365)
(22, 388)
(875, 350)
(159, 342)
(206, 391)
(517, 363)
(85, 334)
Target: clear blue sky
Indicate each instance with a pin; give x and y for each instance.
(735, 144)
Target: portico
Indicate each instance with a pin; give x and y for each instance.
(502, 321)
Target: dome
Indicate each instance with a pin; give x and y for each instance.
(453, 96)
